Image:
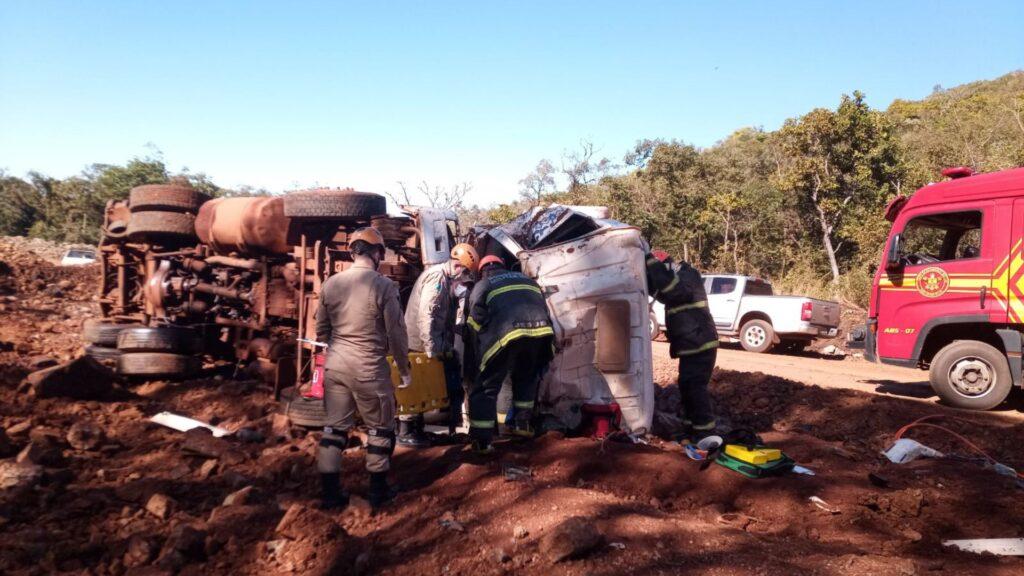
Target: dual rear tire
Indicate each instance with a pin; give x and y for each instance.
(143, 352)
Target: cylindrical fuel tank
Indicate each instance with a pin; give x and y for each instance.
(244, 225)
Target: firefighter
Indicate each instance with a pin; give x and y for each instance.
(361, 320)
(430, 320)
(510, 334)
(692, 336)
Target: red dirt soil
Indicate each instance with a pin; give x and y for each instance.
(458, 514)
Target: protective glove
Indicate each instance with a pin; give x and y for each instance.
(406, 381)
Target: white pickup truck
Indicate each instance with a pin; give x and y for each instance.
(745, 309)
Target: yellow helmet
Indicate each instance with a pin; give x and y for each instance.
(466, 255)
(369, 235)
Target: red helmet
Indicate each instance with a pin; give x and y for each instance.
(661, 255)
(491, 259)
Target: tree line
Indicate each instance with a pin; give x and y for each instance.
(801, 205)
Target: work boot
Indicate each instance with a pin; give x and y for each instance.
(380, 492)
(522, 425)
(411, 434)
(332, 495)
(482, 447)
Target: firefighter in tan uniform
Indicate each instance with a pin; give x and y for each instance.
(692, 336)
(361, 320)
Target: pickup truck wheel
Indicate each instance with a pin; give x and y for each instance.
(344, 204)
(655, 327)
(757, 336)
(970, 374)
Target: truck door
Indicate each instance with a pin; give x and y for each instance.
(947, 261)
(1009, 280)
(724, 300)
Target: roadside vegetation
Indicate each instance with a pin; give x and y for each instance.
(801, 205)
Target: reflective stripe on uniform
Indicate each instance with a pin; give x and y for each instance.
(681, 307)
(671, 285)
(473, 324)
(517, 333)
(510, 288)
(481, 423)
(708, 426)
(701, 348)
(527, 405)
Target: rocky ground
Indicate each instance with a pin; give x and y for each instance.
(90, 486)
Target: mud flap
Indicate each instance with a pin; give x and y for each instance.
(1012, 344)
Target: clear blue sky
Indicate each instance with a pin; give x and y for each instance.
(284, 94)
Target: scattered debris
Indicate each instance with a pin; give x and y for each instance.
(184, 424)
(520, 532)
(84, 435)
(160, 505)
(997, 546)
(513, 472)
(823, 505)
(449, 522)
(906, 450)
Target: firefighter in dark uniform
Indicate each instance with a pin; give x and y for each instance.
(692, 336)
(509, 334)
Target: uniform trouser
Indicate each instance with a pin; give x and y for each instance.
(694, 376)
(524, 360)
(456, 393)
(375, 401)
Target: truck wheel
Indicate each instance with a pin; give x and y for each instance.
(165, 197)
(158, 339)
(157, 365)
(757, 336)
(329, 204)
(970, 374)
(301, 411)
(161, 226)
(102, 333)
(655, 327)
(102, 353)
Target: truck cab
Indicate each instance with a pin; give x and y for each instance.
(947, 293)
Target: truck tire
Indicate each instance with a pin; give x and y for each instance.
(102, 333)
(102, 353)
(344, 204)
(971, 374)
(165, 198)
(161, 226)
(655, 327)
(159, 339)
(157, 365)
(757, 336)
(301, 411)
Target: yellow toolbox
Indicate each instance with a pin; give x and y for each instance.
(427, 392)
(753, 455)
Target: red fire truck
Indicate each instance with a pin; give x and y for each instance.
(949, 293)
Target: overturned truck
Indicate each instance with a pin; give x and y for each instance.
(236, 281)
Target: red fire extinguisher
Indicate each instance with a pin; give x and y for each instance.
(316, 385)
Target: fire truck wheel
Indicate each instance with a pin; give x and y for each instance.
(971, 374)
(334, 205)
(303, 412)
(655, 327)
(161, 226)
(157, 365)
(102, 333)
(159, 339)
(757, 336)
(165, 197)
(102, 353)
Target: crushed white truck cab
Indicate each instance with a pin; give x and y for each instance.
(745, 309)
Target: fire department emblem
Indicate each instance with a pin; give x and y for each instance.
(932, 282)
